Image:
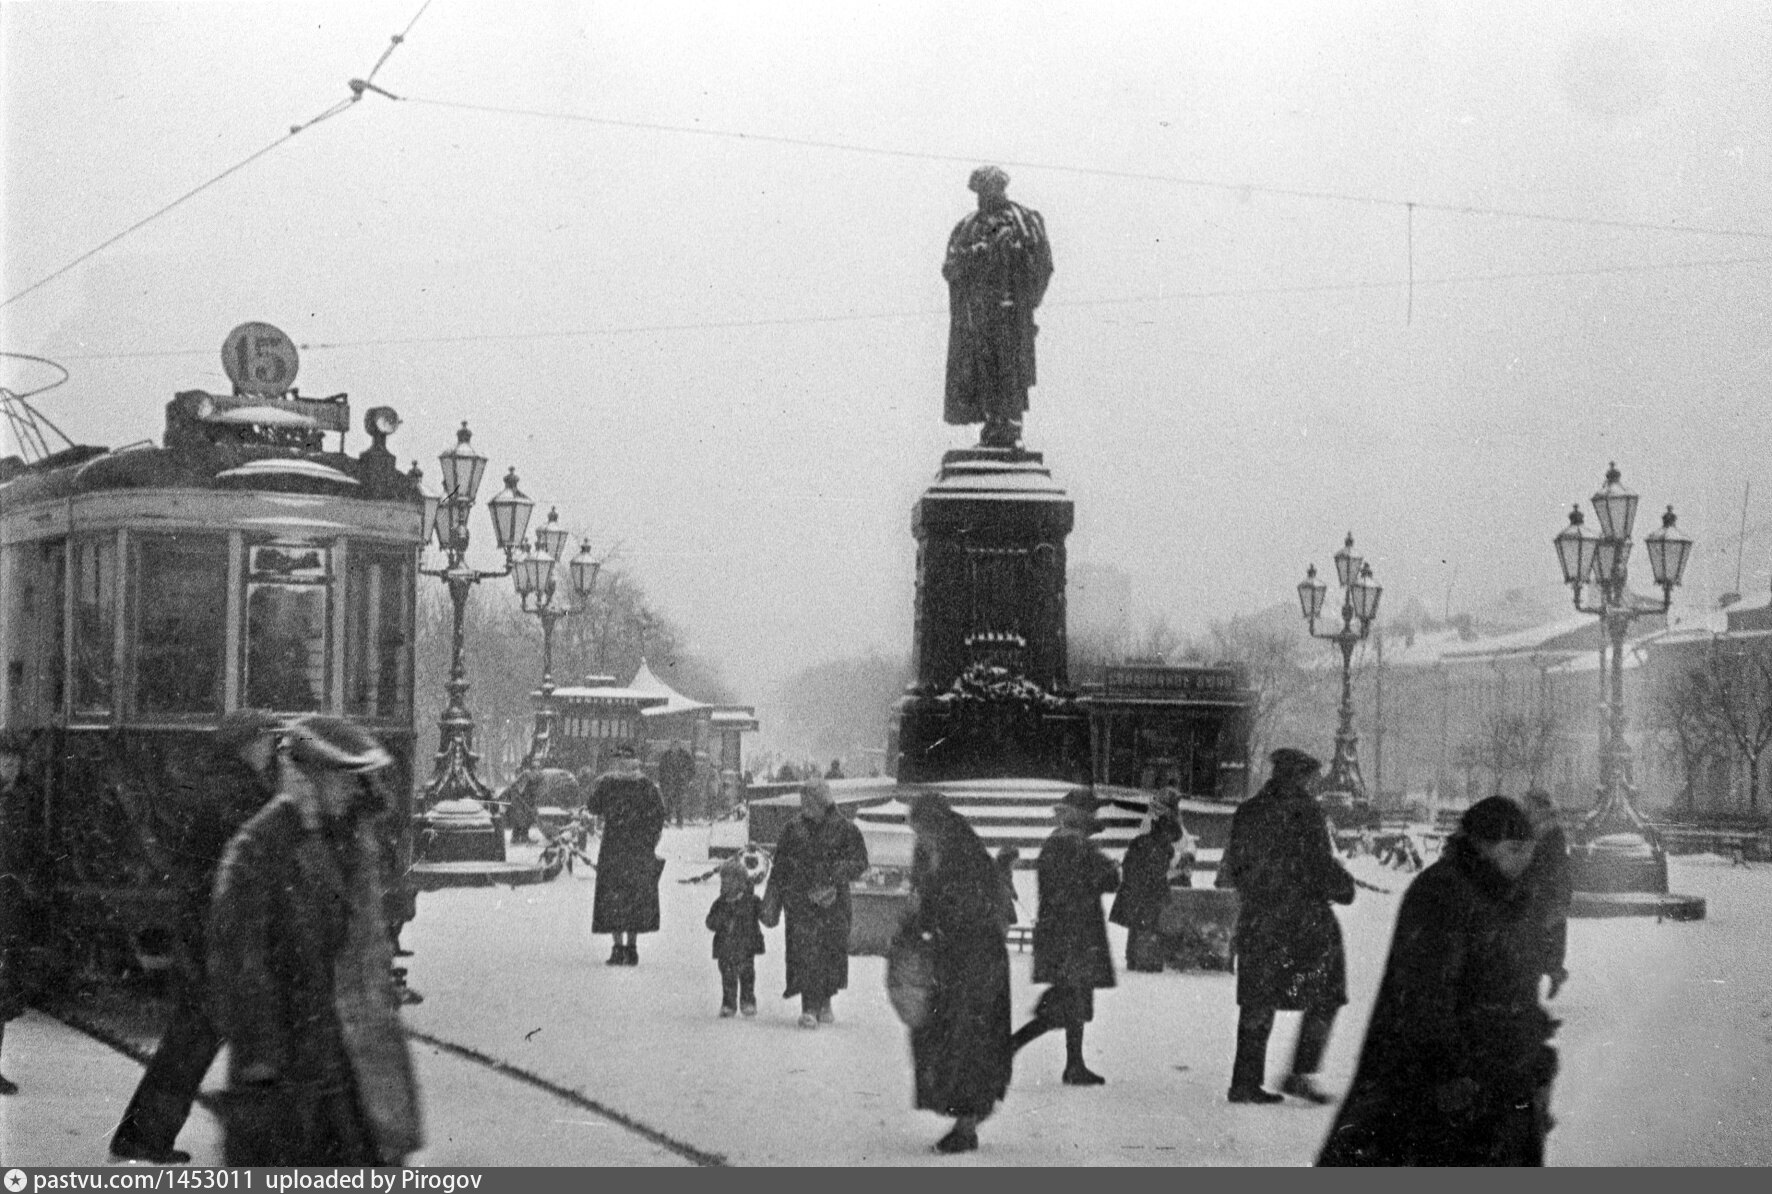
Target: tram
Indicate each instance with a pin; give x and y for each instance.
(145, 591)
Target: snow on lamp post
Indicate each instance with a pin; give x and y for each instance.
(1359, 604)
(1616, 851)
(462, 469)
(535, 578)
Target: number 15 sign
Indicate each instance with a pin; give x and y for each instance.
(260, 360)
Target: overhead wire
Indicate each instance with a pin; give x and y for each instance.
(1238, 188)
(1231, 292)
(357, 87)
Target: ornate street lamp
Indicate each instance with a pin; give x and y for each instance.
(535, 578)
(1359, 603)
(454, 778)
(1616, 851)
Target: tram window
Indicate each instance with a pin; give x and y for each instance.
(378, 626)
(32, 630)
(95, 622)
(181, 603)
(286, 627)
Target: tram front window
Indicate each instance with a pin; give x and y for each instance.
(181, 588)
(378, 632)
(95, 611)
(286, 627)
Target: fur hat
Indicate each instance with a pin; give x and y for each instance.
(734, 876)
(1289, 760)
(1495, 819)
(324, 743)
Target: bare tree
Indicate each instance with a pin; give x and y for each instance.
(1507, 742)
(1741, 686)
(1685, 710)
(1271, 655)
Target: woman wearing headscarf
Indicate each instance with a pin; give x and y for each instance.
(1456, 1068)
(961, 1050)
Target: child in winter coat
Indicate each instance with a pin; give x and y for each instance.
(738, 939)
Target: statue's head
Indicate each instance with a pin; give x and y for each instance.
(988, 181)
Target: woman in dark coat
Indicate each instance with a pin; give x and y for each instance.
(300, 969)
(1289, 955)
(1144, 890)
(819, 855)
(1070, 933)
(1456, 1067)
(628, 867)
(961, 1051)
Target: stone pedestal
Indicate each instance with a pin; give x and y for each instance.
(990, 590)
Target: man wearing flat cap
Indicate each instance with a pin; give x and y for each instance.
(1289, 954)
(1070, 932)
(997, 266)
(300, 968)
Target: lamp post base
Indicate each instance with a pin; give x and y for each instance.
(460, 830)
(1661, 905)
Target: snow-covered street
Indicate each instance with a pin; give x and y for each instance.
(1666, 1043)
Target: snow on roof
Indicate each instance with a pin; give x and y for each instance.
(646, 680)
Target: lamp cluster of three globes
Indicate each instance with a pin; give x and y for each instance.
(532, 569)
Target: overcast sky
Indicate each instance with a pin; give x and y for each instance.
(727, 352)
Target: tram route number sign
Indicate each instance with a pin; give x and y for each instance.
(260, 359)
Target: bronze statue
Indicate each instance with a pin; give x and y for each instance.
(998, 264)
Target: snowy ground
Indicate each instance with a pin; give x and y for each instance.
(1666, 1043)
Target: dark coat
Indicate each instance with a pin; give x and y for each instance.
(1285, 874)
(991, 299)
(228, 794)
(738, 935)
(1549, 889)
(1070, 932)
(628, 868)
(18, 856)
(1459, 1000)
(811, 855)
(1144, 880)
(961, 1052)
(300, 975)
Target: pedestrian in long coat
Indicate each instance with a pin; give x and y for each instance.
(1456, 1067)
(628, 866)
(1549, 889)
(238, 780)
(19, 853)
(1144, 888)
(819, 855)
(960, 1052)
(300, 969)
(1288, 943)
(1070, 932)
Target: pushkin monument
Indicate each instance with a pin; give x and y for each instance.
(991, 696)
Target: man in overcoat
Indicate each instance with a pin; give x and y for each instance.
(819, 855)
(1457, 1066)
(1288, 943)
(628, 866)
(1070, 932)
(300, 968)
(239, 780)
